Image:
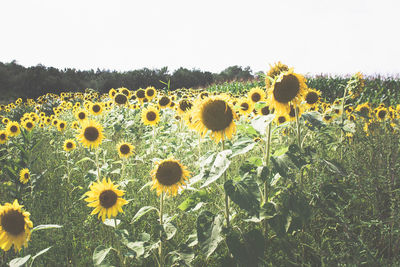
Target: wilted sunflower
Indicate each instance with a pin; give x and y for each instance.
(150, 116)
(69, 145)
(215, 114)
(91, 134)
(3, 136)
(96, 109)
(105, 197)
(256, 94)
(15, 226)
(125, 149)
(289, 88)
(13, 128)
(24, 176)
(274, 72)
(151, 92)
(168, 176)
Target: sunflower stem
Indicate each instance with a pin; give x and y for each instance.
(341, 131)
(298, 127)
(266, 160)
(97, 165)
(160, 248)
(226, 195)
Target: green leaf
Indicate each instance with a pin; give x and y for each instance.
(100, 254)
(260, 123)
(40, 253)
(46, 226)
(209, 229)
(242, 146)
(137, 247)
(84, 159)
(19, 261)
(170, 230)
(219, 166)
(335, 167)
(112, 222)
(245, 194)
(144, 210)
(193, 200)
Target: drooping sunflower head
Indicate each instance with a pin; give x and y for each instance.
(256, 94)
(164, 102)
(150, 116)
(3, 136)
(151, 92)
(168, 176)
(125, 150)
(91, 134)
(106, 198)
(24, 176)
(96, 109)
(15, 226)
(184, 106)
(13, 128)
(289, 88)
(216, 115)
(312, 97)
(69, 145)
(274, 72)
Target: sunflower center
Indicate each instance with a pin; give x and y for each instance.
(62, 125)
(281, 119)
(26, 175)
(185, 105)
(287, 89)
(3, 136)
(169, 173)
(96, 108)
(150, 92)
(108, 198)
(164, 101)
(14, 129)
(265, 110)
(91, 133)
(120, 99)
(255, 97)
(151, 116)
(364, 110)
(382, 114)
(82, 115)
(29, 125)
(13, 222)
(125, 92)
(69, 145)
(311, 98)
(244, 106)
(216, 115)
(140, 93)
(124, 149)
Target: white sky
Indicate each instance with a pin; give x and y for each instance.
(314, 36)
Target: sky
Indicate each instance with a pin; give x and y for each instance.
(313, 36)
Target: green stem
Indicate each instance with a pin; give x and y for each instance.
(160, 248)
(226, 195)
(98, 165)
(298, 127)
(342, 115)
(266, 161)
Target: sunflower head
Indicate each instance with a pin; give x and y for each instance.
(125, 91)
(69, 145)
(3, 136)
(61, 126)
(312, 97)
(24, 176)
(381, 113)
(28, 125)
(15, 226)
(125, 150)
(164, 102)
(91, 134)
(151, 92)
(112, 93)
(13, 128)
(256, 94)
(184, 106)
(245, 106)
(274, 72)
(81, 115)
(140, 94)
(121, 99)
(96, 109)
(106, 198)
(168, 176)
(150, 116)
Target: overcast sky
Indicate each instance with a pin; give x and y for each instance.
(313, 36)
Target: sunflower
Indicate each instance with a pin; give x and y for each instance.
(28, 125)
(274, 72)
(91, 134)
(24, 176)
(151, 92)
(96, 109)
(81, 115)
(121, 99)
(381, 113)
(125, 91)
(290, 87)
(364, 110)
(282, 118)
(15, 226)
(168, 176)
(125, 149)
(292, 112)
(61, 126)
(150, 116)
(184, 105)
(245, 106)
(13, 128)
(5, 121)
(256, 94)
(112, 93)
(140, 94)
(327, 118)
(3, 136)
(69, 145)
(217, 115)
(164, 102)
(264, 111)
(312, 98)
(105, 197)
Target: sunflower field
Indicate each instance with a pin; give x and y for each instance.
(263, 174)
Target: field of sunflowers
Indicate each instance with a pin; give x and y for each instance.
(264, 176)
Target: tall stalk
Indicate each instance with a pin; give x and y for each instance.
(266, 160)
(226, 195)
(342, 121)
(160, 248)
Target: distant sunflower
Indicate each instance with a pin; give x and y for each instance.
(5, 121)
(96, 109)
(289, 88)
(3, 136)
(140, 94)
(151, 92)
(112, 93)
(91, 134)
(327, 118)
(125, 149)
(15, 226)
(215, 114)
(13, 128)
(381, 113)
(264, 111)
(81, 115)
(364, 110)
(312, 98)
(121, 99)
(256, 94)
(24, 176)
(125, 91)
(245, 106)
(106, 198)
(28, 125)
(69, 145)
(274, 72)
(164, 102)
(168, 176)
(150, 116)
(62, 125)
(184, 106)
(282, 118)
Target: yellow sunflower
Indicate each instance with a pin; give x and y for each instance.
(105, 197)
(13, 128)
(24, 176)
(168, 176)
(96, 109)
(256, 94)
(81, 115)
(282, 118)
(312, 98)
(125, 91)
(3, 136)
(150, 116)
(164, 102)
(15, 226)
(121, 99)
(140, 94)
(288, 88)
(184, 106)
(274, 72)
(364, 109)
(215, 114)
(69, 145)
(61, 125)
(112, 93)
(151, 92)
(125, 149)
(5, 121)
(91, 134)
(381, 113)
(245, 106)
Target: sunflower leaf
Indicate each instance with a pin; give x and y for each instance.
(260, 123)
(144, 210)
(209, 229)
(46, 226)
(219, 166)
(40, 253)
(242, 146)
(100, 254)
(19, 261)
